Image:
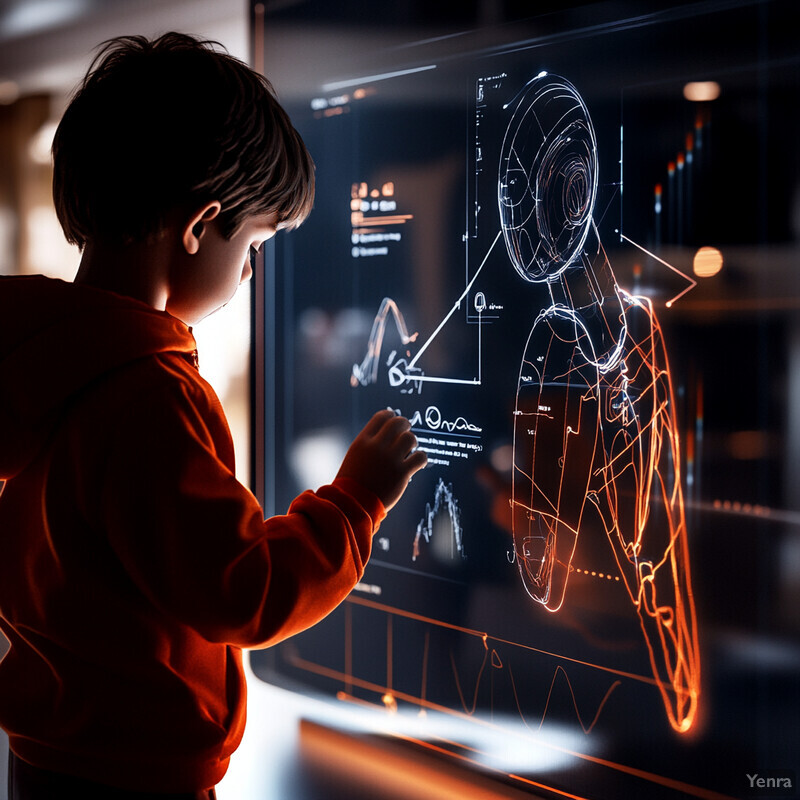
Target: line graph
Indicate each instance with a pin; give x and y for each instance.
(497, 656)
(367, 371)
(453, 309)
(403, 372)
(453, 536)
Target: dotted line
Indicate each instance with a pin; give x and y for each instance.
(594, 574)
(743, 508)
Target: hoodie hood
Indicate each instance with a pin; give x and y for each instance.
(56, 338)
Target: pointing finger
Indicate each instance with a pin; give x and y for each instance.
(378, 420)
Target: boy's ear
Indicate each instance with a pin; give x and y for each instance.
(195, 226)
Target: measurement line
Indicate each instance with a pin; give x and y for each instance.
(450, 314)
(692, 281)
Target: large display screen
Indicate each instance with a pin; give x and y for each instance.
(566, 248)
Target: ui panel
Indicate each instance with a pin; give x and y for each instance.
(566, 248)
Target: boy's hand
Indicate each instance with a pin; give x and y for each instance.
(382, 458)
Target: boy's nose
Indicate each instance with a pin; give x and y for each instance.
(247, 272)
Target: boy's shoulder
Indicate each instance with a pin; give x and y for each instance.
(59, 336)
(67, 347)
(158, 398)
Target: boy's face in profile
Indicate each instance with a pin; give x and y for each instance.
(209, 268)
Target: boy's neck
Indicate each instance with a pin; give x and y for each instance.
(137, 270)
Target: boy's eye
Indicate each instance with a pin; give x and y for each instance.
(254, 251)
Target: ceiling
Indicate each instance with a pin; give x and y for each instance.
(46, 45)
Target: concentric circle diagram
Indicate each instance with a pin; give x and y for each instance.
(547, 178)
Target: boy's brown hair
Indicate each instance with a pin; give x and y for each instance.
(164, 126)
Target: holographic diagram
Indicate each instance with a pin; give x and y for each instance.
(367, 371)
(443, 499)
(403, 372)
(594, 421)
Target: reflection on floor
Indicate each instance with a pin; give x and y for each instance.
(285, 757)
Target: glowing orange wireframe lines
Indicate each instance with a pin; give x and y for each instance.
(560, 670)
(686, 788)
(348, 645)
(361, 601)
(485, 637)
(670, 629)
(671, 783)
(469, 712)
(599, 364)
(424, 690)
(692, 281)
(538, 785)
(389, 658)
(481, 764)
(335, 674)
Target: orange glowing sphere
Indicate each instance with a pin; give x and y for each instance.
(707, 262)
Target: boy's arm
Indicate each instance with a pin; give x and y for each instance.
(194, 540)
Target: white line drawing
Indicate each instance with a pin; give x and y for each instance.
(443, 498)
(594, 422)
(432, 420)
(547, 184)
(692, 281)
(402, 372)
(367, 371)
(456, 306)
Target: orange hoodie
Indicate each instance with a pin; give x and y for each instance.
(133, 565)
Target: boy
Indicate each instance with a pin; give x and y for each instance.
(134, 566)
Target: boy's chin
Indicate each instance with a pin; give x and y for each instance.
(210, 313)
(195, 317)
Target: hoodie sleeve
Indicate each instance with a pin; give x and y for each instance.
(194, 540)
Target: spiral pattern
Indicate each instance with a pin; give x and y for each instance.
(547, 178)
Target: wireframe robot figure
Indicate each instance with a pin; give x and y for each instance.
(594, 427)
